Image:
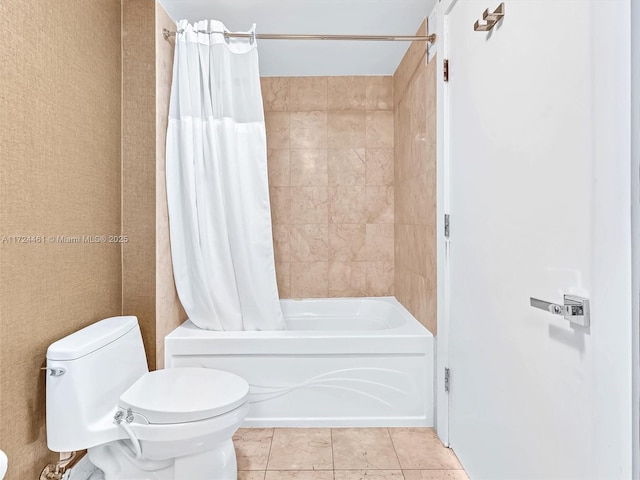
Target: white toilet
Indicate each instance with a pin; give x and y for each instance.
(173, 424)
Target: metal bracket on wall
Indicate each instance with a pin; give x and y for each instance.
(447, 379)
(490, 18)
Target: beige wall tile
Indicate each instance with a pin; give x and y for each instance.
(309, 205)
(348, 204)
(402, 205)
(380, 242)
(346, 129)
(380, 278)
(379, 200)
(347, 93)
(341, 169)
(281, 243)
(420, 207)
(431, 72)
(309, 243)
(280, 205)
(430, 319)
(277, 127)
(415, 183)
(307, 93)
(379, 129)
(431, 128)
(419, 297)
(379, 93)
(347, 279)
(309, 167)
(347, 166)
(279, 167)
(379, 166)
(309, 279)
(416, 52)
(401, 285)
(347, 242)
(275, 94)
(283, 278)
(309, 129)
(412, 242)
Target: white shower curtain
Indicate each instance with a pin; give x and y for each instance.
(217, 188)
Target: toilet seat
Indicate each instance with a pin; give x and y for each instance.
(181, 395)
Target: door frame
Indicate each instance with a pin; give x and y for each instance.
(443, 8)
(635, 227)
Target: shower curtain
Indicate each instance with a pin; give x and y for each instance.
(219, 214)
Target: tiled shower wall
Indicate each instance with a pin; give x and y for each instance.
(415, 181)
(330, 159)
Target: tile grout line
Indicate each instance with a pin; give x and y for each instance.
(395, 451)
(333, 460)
(266, 467)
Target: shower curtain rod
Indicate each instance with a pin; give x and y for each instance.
(275, 36)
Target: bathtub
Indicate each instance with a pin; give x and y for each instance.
(342, 362)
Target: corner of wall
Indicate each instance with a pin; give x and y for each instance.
(414, 86)
(169, 311)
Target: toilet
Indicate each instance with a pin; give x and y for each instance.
(172, 424)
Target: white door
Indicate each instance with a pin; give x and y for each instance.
(539, 206)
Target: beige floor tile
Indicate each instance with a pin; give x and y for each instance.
(363, 448)
(435, 475)
(244, 475)
(252, 448)
(421, 449)
(300, 449)
(299, 475)
(368, 475)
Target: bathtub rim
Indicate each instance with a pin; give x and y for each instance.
(410, 326)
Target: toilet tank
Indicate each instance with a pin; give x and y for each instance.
(87, 372)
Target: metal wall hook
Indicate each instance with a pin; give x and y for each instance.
(491, 18)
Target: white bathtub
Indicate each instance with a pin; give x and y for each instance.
(342, 362)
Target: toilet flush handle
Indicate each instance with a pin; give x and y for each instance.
(54, 372)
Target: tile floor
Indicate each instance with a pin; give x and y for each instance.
(344, 454)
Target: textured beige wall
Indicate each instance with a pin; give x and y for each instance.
(330, 156)
(415, 181)
(60, 86)
(139, 168)
(169, 312)
(148, 288)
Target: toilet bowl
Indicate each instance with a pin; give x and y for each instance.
(4, 462)
(139, 425)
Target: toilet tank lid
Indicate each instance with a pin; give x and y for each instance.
(91, 338)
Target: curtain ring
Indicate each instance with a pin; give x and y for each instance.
(226, 36)
(253, 37)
